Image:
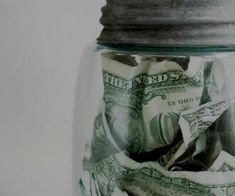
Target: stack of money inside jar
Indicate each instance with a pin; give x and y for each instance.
(165, 127)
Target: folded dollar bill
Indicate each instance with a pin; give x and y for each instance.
(195, 121)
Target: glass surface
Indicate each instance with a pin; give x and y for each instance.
(155, 121)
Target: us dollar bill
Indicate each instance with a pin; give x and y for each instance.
(214, 82)
(89, 185)
(102, 143)
(150, 179)
(195, 121)
(224, 163)
(198, 155)
(145, 100)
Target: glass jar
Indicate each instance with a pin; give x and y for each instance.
(156, 116)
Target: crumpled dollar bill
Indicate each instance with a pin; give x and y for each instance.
(165, 127)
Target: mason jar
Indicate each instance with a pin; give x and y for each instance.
(154, 109)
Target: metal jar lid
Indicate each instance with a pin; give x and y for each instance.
(169, 22)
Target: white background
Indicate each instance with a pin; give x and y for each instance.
(40, 46)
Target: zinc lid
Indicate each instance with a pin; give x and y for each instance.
(168, 22)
